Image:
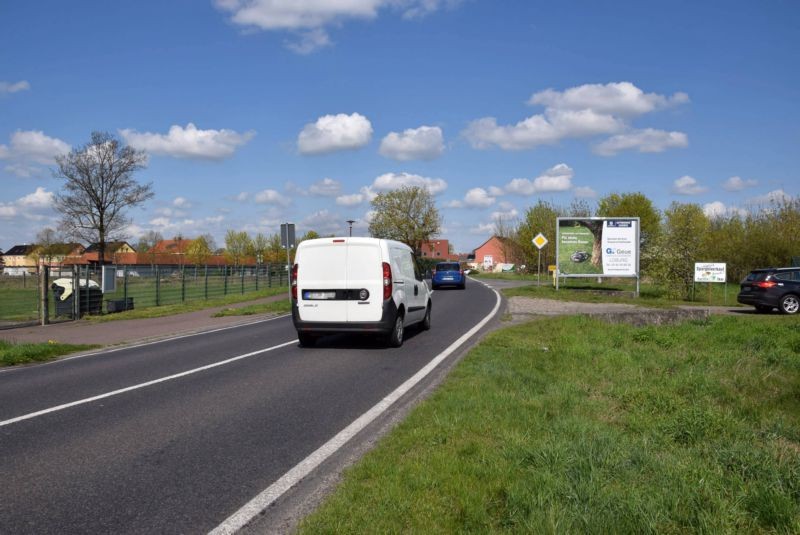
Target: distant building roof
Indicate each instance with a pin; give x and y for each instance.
(171, 246)
(20, 250)
(111, 247)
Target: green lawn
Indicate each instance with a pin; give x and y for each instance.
(13, 354)
(571, 425)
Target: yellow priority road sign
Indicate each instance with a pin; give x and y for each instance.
(539, 241)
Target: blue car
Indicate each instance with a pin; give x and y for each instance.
(448, 274)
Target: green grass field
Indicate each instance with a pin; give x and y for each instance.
(571, 425)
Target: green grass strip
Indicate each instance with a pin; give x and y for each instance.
(14, 354)
(274, 307)
(189, 306)
(572, 425)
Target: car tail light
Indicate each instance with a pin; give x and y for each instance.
(387, 281)
(294, 282)
(765, 284)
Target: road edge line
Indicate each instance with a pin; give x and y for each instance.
(268, 496)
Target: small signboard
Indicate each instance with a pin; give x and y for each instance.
(539, 241)
(709, 272)
(287, 235)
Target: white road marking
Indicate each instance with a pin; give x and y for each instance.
(141, 344)
(254, 507)
(141, 385)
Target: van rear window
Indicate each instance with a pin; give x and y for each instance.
(448, 267)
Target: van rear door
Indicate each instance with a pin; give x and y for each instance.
(322, 270)
(364, 272)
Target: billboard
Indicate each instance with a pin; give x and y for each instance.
(597, 246)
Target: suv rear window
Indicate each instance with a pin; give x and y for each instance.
(792, 275)
(757, 276)
(448, 266)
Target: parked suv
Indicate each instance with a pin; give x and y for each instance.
(771, 288)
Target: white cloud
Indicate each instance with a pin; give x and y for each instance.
(579, 112)
(325, 222)
(310, 41)
(494, 191)
(687, 185)
(335, 132)
(717, 209)
(327, 187)
(31, 147)
(506, 215)
(350, 200)
(309, 18)
(478, 198)
(189, 142)
(242, 197)
(647, 140)
(584, 192)
(270, 196)
(620, 98)
(482, 229)
(181, 202)
(557, 178)
(423, 143)
(6, 88)
(35, 206)
(777, 196)
(737, 183)
(392, 181)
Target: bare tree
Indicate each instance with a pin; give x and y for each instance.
(98, 188)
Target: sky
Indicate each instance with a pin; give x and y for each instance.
(258, 112)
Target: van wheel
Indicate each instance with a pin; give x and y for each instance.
(396, 336)
(426, 322)
(307, 339)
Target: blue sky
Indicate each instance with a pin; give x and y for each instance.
(258, 112)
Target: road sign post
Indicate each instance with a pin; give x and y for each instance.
(539, 241)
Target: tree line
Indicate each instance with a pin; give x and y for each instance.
(672, 240)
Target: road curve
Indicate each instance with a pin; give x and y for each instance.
(176, 436)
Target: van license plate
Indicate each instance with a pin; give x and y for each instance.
(319, 295)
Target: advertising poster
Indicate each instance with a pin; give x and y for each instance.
(709, 272)
(598, 246)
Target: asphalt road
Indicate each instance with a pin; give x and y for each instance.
(179, 455)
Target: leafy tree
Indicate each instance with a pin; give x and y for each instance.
(686, 231)
(407, 214)
(635, 205)
(259, 246)
(236, 246)
(199, 251)
(99, 187)
(540, 217)
(147, 242)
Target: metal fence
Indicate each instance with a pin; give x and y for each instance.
(136, 287)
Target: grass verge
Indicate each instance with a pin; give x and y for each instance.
(189, 306)
(275, 307)
(589, 291)
(13, 354)
(574, 425)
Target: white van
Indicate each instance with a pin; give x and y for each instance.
(365, 285)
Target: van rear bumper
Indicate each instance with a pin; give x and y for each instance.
(385, 325)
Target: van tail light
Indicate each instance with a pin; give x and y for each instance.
(387, 281)
(294, 282)
(765, 284)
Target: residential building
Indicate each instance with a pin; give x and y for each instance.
(112, 254)
(437, 249)
(20, 259)
(495, 252)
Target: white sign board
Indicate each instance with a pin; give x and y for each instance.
(619, 244)
(709, 272)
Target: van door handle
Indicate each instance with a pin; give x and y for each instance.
(398, 282)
